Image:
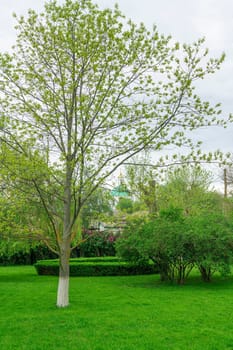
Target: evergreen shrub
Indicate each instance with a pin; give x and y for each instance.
(95, 267)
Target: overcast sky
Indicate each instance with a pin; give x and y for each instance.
(186, 21)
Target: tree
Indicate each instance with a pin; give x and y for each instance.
(125, 205)
(81, 93)
(188, 187)
(98, 207)
(141, 180)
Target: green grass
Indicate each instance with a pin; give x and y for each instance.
(114, 313)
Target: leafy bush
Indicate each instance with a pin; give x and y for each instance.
(97, 243)
(164, 241)
(213, 244)
(127, 245)
(176, 243)
(94, 267)
(23, 252)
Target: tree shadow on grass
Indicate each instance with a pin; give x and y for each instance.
(17, 278)
(217, 282)
(20, 274)
(192, 282)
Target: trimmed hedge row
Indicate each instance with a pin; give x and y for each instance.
(95, 267)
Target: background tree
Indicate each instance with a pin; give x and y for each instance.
(125, 205)
(189, 187)
(22, 227)
(81, 93)
(99, 207)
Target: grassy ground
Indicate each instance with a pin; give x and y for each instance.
(114, 313)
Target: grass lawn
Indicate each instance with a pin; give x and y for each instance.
(114, 313)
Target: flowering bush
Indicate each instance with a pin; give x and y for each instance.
(97, 243)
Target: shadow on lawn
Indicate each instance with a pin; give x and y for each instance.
(18, 274)
(30, 278)
(193, 282)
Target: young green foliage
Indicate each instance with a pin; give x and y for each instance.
(81, 93)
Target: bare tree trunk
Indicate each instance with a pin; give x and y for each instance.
(64, 274)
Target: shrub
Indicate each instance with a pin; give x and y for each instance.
(94, 267)
(163, 240)
(23, 252)
(176, 243)
(127, 245)
(96, 243)
(213, 244)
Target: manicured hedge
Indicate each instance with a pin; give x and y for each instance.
(95, 267)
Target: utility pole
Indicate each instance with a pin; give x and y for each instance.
(225, 182)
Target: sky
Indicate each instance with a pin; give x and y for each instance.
(186, 21)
